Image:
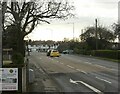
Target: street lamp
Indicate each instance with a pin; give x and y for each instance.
(73, 31)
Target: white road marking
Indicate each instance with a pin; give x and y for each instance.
(40, 58)
(88, 62)
(87, 85)
(42, 71)
(105, 67)
(81, 71)
(70, 66)
(62, 63)
(100, 66)
(114, 69)
(78, 69)
(103, 80)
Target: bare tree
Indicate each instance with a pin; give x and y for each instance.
(24, 16)
(116, 27)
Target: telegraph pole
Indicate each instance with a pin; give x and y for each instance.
(1, 34)
(96, 44)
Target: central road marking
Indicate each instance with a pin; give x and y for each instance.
(100, 66)
(103, 80)
(84, 72)
(81, 71)
(88, 62)
(70, 66)
(87, 85)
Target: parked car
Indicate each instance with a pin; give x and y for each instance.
(54, 53)
(67, 52)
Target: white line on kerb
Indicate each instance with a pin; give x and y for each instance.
(70, 66)
(103, 80)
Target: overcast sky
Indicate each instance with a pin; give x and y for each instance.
(86, 11)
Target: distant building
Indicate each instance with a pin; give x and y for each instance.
(42, 48)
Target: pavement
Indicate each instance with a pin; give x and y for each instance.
(42, 82)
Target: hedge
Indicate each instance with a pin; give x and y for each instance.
(112, 54)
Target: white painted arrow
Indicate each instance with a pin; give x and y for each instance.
(90, 87)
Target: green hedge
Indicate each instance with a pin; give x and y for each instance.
(112, 54)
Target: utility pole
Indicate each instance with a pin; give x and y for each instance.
(1, 34)
(3, 7)
(73, 31)
(96, 44)
(118, 24)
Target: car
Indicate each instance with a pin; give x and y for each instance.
(67, 52)
(54, 53)
(48, 52)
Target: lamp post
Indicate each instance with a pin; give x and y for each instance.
(73, 31)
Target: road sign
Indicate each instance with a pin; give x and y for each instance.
(9, 79)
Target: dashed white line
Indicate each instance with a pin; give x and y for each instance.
(78, 69)
(88, 62)
(100, 66)
(103, 80)
(70, 66)
(114, 69)
(81, 71)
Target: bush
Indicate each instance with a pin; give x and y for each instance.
(17, 58)
(112, 54)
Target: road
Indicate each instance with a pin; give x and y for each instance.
(72, 73)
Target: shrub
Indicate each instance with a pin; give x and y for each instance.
(17, 58)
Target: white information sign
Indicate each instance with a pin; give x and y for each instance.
(9, 79)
